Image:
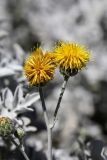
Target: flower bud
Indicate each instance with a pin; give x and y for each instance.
(6, 126)
(68, 72)
(20, 133)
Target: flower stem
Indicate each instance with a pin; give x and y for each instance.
(24, 154)
(44, 106)
(60, 99)
(21, 148)
(49, 128)
(49, 143)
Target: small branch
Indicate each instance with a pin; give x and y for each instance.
(60, 99)
(21, 148)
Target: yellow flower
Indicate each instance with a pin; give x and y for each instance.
(39, 68)
(71, 57)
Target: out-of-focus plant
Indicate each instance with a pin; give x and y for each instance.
(11, 64)
(40, 67)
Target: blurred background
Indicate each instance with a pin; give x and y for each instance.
(25, 24)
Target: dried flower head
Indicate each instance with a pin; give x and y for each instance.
(71, 57)
(39, 68)
(6, 126)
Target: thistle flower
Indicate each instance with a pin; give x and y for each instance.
(39, 68)
(71, 57)
(6, 126)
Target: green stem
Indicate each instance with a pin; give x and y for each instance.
(49, 143)
(49, 128)
(21, 148)
(60, 99)
(44, 106)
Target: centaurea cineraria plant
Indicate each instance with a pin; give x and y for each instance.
(40, 67)
(11, 127)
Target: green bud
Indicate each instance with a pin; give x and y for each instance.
(20, 133)
(6, 126)
(68, 72)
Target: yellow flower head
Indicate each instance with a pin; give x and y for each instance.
(71, 57)
(39, 68)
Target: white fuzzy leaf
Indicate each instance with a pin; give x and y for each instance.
(19, 52)
(18, 96)
(27, 102)
(25, 120)
(6, 72)
(30, 99)
(6, 113)
(21, 109)
(15, 67)
(30, 129)
(8, 98)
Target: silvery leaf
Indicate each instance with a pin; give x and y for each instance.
(18, 96)
(4, 61)
(19, 52)
(25, 120)
(30, 129)
(10, 114)
(6, 72)
(21, 109)
(8, 98)
(27, 102)
(15, 67)
(21, 79)
(30, 99)
(1, 101)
